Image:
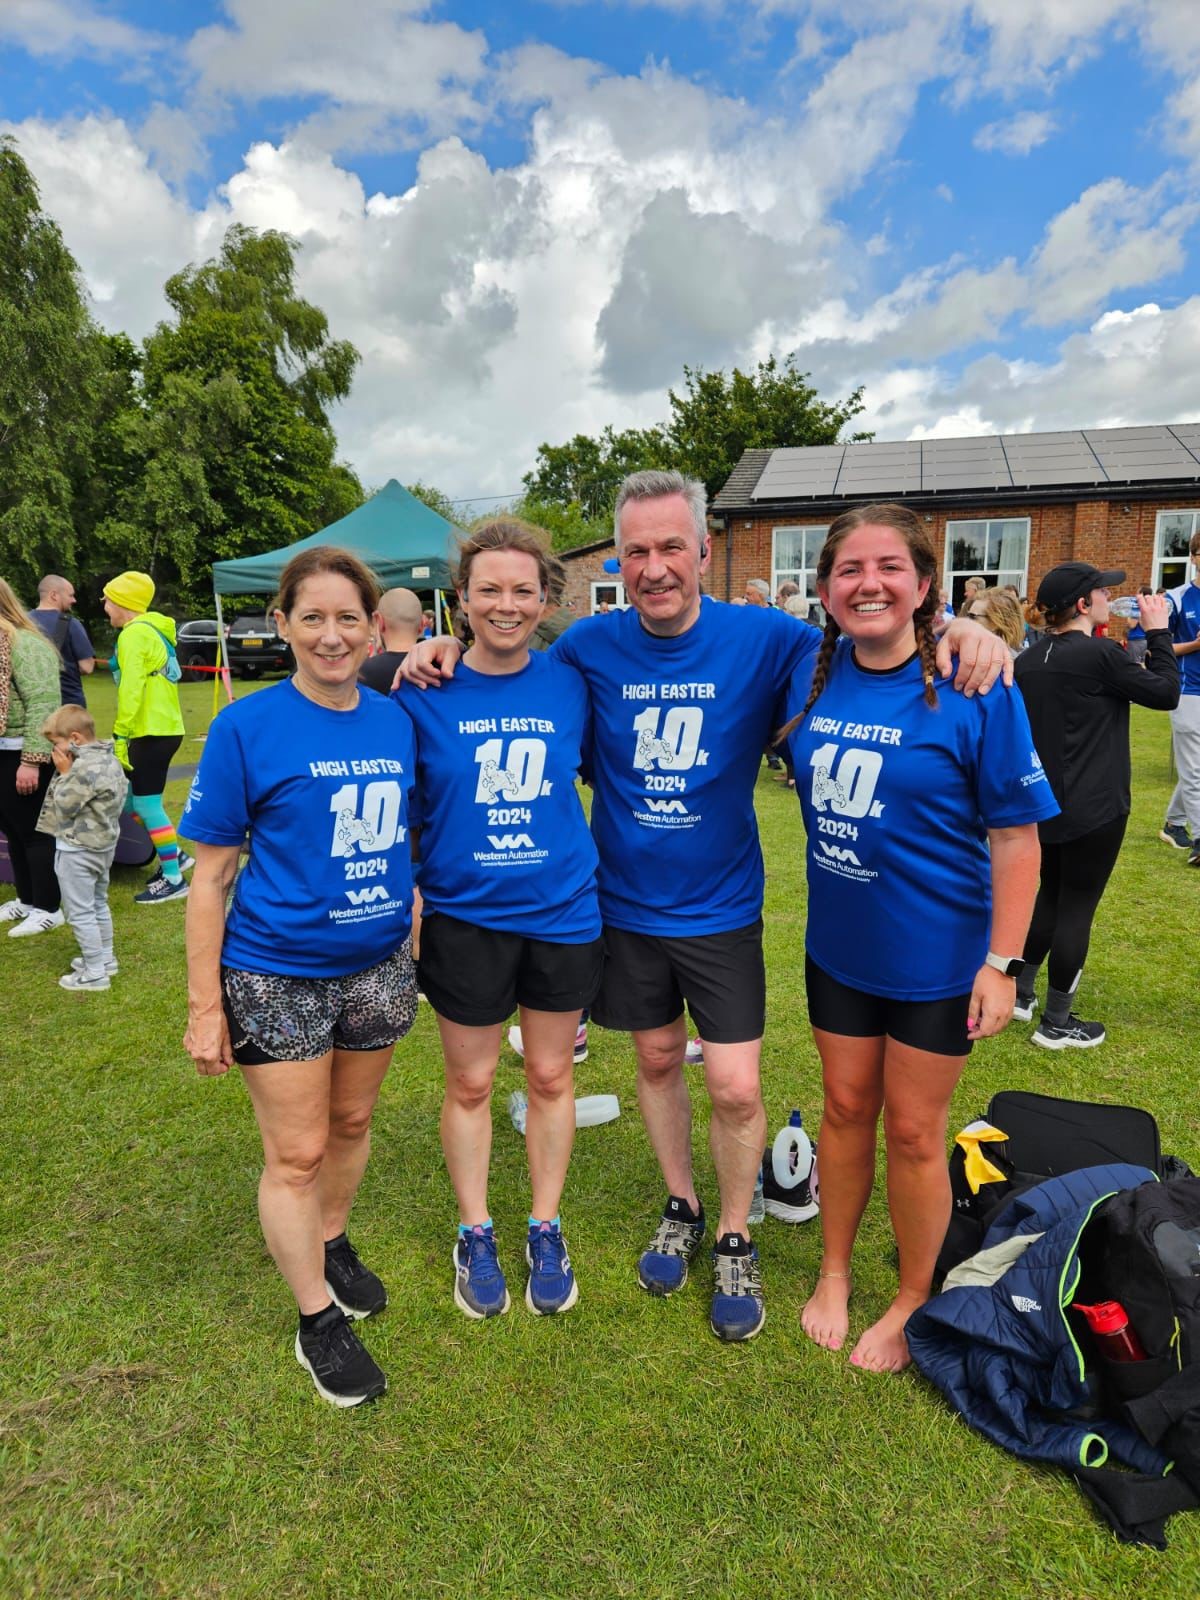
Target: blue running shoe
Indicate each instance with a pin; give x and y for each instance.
(738, 1311)
(479, 1286)
(551, 1285)
(663, 1267)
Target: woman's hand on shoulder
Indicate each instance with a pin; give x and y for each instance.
(982, 657)
(428, 662)
(991, 1007)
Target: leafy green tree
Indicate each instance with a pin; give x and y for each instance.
(435, 500)
(234, 435)
(567, 525)
(718, 416)
(587, 472)
(52, 385)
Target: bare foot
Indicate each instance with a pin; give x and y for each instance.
(824, 1317)
(883, 1347)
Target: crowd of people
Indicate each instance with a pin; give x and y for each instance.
(937, 798)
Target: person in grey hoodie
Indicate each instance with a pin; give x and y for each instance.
(82, 810)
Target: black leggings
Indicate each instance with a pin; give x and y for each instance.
(1074, 877)
(31, 852)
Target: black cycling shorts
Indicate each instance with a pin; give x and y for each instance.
(149, 761)
(939, 1026)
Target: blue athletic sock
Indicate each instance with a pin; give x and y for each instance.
(465, 1229)
(545, 1222)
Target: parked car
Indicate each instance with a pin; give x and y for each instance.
(254, 647)
(196, 646)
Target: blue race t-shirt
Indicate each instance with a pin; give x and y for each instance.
(1184, 623)
(678, 730)
(328, 887)
(897, 799)
(504, 840)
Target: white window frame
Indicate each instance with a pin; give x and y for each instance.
(617, 597)
(805, 576)
(1158, 581)
(994, 575)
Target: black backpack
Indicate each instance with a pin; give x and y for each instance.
(1142, 1248)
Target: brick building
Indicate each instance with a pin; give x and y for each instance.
(1006, 507)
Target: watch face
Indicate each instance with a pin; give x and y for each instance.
(1013, 969)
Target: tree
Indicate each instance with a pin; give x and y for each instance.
(52, 384)
(435, 500)
(567, 525)
(234, 435)
(718, 417)
(587, 472)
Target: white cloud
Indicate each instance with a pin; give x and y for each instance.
(70, 28)
(1018, 135)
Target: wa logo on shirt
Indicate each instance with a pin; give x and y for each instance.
(367, 823)
(515, 775)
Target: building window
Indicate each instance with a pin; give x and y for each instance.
(608, 596)
(995, 549)
(794, 553)
(1172, 535)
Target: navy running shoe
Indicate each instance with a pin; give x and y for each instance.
(551, 1287)
(479, 1286)
(663, 1267)
(738, 1311)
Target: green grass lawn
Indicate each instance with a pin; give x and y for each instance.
(158, 1438)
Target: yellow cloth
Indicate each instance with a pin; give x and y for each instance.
(978, 1169)
(133, 590)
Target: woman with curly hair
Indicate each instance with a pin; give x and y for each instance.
(29, 693)
(921, 808)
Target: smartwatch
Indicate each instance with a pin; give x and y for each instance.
(1010, 966)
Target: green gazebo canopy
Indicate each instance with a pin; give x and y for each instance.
(403, 541)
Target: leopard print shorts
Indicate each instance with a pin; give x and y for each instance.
(273, 1017)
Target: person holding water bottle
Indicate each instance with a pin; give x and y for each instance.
(507, 871)
(921, 809)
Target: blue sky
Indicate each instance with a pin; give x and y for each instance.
(529, 217)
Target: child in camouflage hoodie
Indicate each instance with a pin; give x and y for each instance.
(82, 810)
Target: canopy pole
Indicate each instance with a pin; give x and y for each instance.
(222, 665)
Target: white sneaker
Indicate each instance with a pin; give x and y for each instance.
(579, 1054)
(1023, 1009)
(109, 966)
(36, 921)
(77, 981)
(13, 911)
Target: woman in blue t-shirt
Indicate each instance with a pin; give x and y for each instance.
(307, 982)
(921, 809)
(507, 871)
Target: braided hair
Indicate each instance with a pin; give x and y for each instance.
(924, 558)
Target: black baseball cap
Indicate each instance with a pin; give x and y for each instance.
(1073, 580)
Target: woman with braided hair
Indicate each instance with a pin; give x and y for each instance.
(921, 808)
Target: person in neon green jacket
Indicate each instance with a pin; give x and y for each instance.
(148, 728)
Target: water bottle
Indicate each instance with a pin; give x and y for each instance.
(791, 1154)
(1125, 606)
(1115, 1337)
(590, 1109)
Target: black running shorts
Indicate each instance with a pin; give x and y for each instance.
(479, 976)
(649, 978)
(939, 1026)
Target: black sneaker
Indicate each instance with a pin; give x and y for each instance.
(1174, 833)
(792, 1202)
(1073, 1034)
(338, 1362)
(354, 1287)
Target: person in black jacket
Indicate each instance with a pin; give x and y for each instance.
(1078, 690)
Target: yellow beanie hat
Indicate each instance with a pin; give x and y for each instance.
(133, 590)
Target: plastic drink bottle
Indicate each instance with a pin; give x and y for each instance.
(791, 1154)
(1116, 1339)
(1124, 606)
(590, 1109)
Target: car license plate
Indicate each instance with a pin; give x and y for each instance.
(252, 644)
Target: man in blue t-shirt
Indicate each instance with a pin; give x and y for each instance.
(56, 596)
(685, 693)
(1182, 827)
